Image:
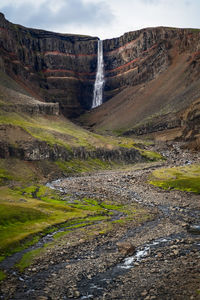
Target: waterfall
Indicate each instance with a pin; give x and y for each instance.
(99, 81)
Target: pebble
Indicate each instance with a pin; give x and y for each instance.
(76, 294)
(159, 254)
(34, 269)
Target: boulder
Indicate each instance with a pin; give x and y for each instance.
(126, 248)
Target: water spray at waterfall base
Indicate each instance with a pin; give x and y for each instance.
(99, 81)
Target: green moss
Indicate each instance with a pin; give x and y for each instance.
(112, 207)
(61, 131)
(4, 176)
(151, 155)
(23, 217)
(185, 178)
(82, 166)
(15, 170)
(2, 275)
(10, 214)
(28, 258)
(61, 234)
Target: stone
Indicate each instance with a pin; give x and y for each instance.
(194, 228)
(76, 294)
(33, 269)
(126, 248)
(159, 254)
(176, 252)
(144, 293)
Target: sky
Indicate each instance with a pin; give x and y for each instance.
(102, 18)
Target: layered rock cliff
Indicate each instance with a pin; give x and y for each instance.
(152, 77)
(61, 67)
(54, 67)
(140, 56)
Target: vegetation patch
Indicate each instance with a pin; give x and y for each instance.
(83, 166)
(28, 258)
(4, 176)
(186, 178)
(151, 155)
(31, 210)
(2, 275)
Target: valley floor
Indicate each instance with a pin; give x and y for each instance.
(155, 257)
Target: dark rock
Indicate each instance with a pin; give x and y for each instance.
(194, 228)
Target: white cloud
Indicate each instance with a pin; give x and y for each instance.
(103, 18)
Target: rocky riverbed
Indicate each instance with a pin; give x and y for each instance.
(153, 259)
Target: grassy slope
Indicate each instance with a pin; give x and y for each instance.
(186, 178)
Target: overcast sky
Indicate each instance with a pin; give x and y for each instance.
(102, 18)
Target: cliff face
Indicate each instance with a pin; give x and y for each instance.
(140, 56)
(55, 67)
(152, 77)
(61, 68)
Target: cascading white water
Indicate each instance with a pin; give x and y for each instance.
(99, 81)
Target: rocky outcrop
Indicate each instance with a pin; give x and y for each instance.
(18, 142)
(191, 121)
(159, 123)
(35, 108)
(36, 150)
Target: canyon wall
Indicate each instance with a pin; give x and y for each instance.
(139, 56)
(62, 67)
(55, 67)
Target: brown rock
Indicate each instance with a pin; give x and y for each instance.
(126, 248)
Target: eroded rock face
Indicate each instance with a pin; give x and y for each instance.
(59, 68)
(36, 150)
(62, 67)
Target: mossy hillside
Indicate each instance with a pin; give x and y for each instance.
(151, 155)
(57, 130)
(15, 171)
(60, 131)
(185, 178)
(23, 212)
(75, 166)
